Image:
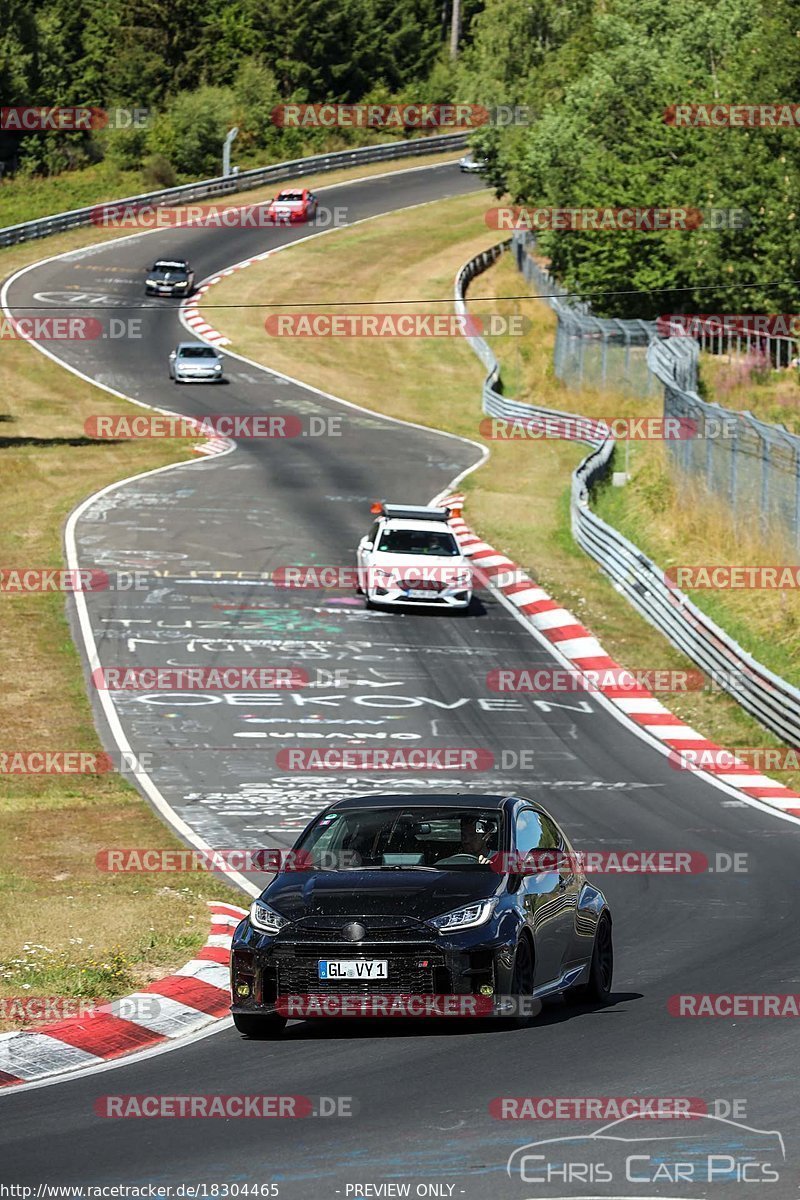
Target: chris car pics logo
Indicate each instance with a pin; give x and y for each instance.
(710, 1150)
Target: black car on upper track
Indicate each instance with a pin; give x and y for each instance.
(422, 895)
(169, 277)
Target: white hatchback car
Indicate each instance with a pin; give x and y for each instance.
(411, 556)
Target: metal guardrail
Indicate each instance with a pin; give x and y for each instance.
(773, 701)
(227, 185)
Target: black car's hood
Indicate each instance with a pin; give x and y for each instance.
(419, 894)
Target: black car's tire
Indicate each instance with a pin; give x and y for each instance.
(597, 988)
(253, 1026)
(522, 983)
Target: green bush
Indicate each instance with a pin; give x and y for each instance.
(157, 173)
(190, 131)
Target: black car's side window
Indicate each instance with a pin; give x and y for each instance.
(536, 832)
(529, 831)
(551, 835)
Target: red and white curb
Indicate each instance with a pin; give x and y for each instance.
(195, 996)
(191, 314)
(576, 643)
(198, 324)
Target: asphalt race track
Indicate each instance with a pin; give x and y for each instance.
(206, 535)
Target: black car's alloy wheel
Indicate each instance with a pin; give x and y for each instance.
(522, 984)
(597, 989)
(523, 969)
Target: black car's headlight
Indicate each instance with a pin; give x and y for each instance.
(465, 918)
(265, 919)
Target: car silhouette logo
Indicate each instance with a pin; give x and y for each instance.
(615, 1131)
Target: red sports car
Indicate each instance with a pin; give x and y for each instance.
(293, 204)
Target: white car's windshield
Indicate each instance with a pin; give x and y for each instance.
(419, 541)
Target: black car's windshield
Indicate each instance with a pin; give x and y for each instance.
(419, 541)
(403, 838)
(198, 352)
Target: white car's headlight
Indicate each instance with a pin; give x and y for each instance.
(465, 918)
(265, 919)
(383, 576)
(461, 578)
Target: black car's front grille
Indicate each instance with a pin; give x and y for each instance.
(412, 969)
(379, 929)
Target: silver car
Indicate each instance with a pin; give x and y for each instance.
(472, 163)
(195, 362)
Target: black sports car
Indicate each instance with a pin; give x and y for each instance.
(422, 896)
(169, 277)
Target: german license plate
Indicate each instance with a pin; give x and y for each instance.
(368, 968)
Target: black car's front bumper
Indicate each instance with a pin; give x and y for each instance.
(267, 970)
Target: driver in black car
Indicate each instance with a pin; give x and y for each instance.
(475, 837)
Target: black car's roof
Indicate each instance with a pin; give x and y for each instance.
(427, 800)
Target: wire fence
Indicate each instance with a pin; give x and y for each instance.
(751, 464)
(590, 351)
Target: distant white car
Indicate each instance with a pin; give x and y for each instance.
(472, 163)
(411, 556)
(195, 362)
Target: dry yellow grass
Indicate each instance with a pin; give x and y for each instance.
(748, 383)
(86, 932)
